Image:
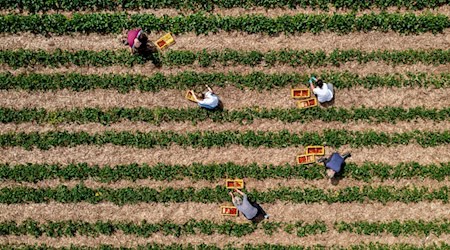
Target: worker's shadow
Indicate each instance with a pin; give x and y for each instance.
(338, 177)
(260, 215)
(155, 58)
(328, 104)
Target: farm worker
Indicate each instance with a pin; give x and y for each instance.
(249, 211)
(334, 164)
(208, 100)
(323, 91)
(139, 43)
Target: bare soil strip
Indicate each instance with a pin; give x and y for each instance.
(250, 183)
(182, 212)
(272, 12)
(115, 155)
(148, 69)
(232, 98)
(259, 237)
(239, 41)
(259, 125)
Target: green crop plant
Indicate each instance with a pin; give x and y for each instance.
(294, 58)
(367, 171)
(202, 23)
(192, 79)
(123, 196)
(67, 5)
(208, 139)
(246, 115)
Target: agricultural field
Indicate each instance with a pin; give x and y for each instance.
(99, 149)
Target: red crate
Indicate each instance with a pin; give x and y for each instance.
(300, 93)
(234, 184)
(306, 159)
(229, 211)
(315, 150)
(307, 103)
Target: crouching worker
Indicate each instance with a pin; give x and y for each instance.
(208, 100)
(334, 164)
(323, 91)
(252, 212)
(139, 43)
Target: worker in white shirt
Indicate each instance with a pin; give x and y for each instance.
(208, 100)
(323, 91)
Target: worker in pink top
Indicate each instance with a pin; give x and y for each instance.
(139, 43)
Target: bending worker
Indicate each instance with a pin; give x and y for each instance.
(334, 164)
(139, 43)
(249, 211)
(208, 100)
(323, 91)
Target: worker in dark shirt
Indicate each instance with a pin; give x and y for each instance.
(334, 164)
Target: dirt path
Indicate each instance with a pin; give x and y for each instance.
(250, 183)
(182, 212)
(115, 155)
(148, 69)
(239, 41)
(259, 237)
(231, 97)
(259, 125)
(271, 12)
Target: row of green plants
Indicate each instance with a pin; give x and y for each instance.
(154, 246)
(242, 116)
(397, 228)
(219, 194)
(367, 171)
(226, 57)
(72, 228)
(208, 139)
(191, 79)
(202, 23)
(68, 5)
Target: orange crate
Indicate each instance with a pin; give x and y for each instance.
(311, 102)
(229, 210)
(165, 41)
(315, 150)
(234, 184)
(306, 159)
(190, 96)
(300, 93)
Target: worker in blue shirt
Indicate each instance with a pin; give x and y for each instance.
(334, 164)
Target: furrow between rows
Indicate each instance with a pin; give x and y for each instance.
(326, 239)
(250, 184)
(237, 40)
(238, 11)
(231, 97)
(115, 155)
(208, 125)
(182, 212)
(148, 69)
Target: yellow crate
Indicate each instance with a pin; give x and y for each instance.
(311, 102)
(315, 150)
(165, 41)
(190, 96)
(229, 210)
(234, 184)
(300, 93)
(306, 159)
